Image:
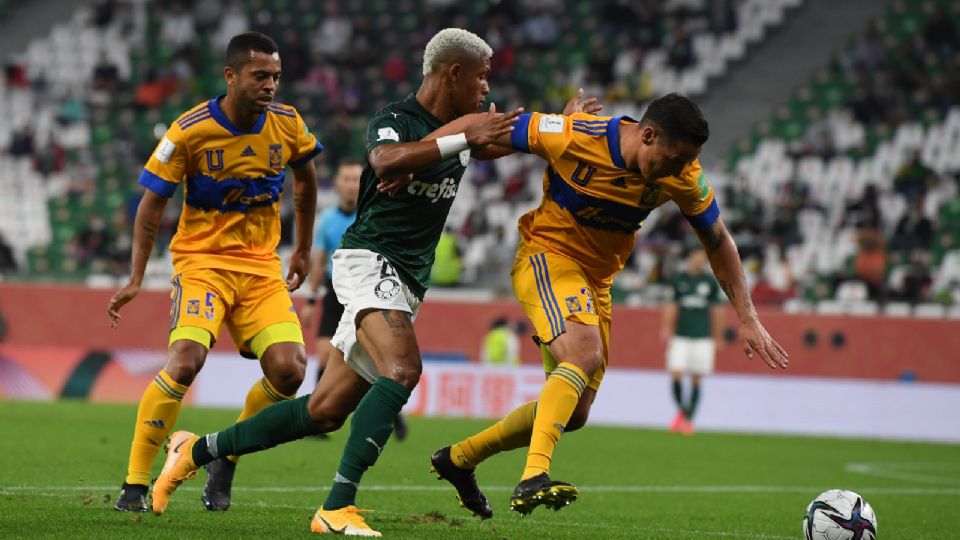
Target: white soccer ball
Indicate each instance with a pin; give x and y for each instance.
(839, 514)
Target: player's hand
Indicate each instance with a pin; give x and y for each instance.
(665, 335)
(299, 268)
(577, 104)
(120, 299)
(756, 341)
(491, 127)
(392, 185)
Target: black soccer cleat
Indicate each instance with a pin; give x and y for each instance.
(133, 498)
(463, 480)
(216, 494)
(400, 428)
(540, 490)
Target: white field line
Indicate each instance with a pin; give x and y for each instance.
(69, 491)
(896, 471)
(585, 489)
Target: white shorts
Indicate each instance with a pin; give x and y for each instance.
(691, 355)
(363, 280)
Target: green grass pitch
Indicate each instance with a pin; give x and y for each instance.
(63, 462)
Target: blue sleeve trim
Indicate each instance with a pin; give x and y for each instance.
(520, 138)
(306, 159)
(158, 185)
(707, 218)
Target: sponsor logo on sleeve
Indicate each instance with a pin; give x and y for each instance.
(387, 134)
(552, 124)
(165, 150)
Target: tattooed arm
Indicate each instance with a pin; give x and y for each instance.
(145, 229)
(305, 210)
(725, 261)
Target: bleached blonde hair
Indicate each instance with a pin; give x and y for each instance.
(448, 43)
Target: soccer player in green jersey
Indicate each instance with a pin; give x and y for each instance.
(380, 275)
(693, 330)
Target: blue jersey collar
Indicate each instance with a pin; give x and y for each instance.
(613, 140)
(222, 119)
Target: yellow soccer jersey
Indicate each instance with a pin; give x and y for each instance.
(592, 204)
(233, 180)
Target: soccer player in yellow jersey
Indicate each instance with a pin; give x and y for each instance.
(231, 154)
(603, 177)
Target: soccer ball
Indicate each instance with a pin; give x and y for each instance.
(839, 514)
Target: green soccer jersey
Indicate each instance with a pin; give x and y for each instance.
(694, 295)
(405, 228)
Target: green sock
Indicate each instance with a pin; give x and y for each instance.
(281, 422)
(694, 398)
(370, 430)
(678, 393)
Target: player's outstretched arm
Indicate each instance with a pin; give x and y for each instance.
(469, 131)
(728, 269)
(145, 228)
(305, 210)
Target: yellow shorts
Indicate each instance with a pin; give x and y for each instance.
(553, 289)
(247, 303)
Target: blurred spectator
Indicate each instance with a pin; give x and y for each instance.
(176, 26)
(864, 213)
(791, 198)
(16, 75)
(106, 76)
(869, 265)
(104, 12)
(541, 28)
(21, 143)
(680, 53)
(914, 230)
(93, 241)
(917, 281)
(206, 15)
(233, 21)
(722, 16)
(914, 178)
(333, 35)
(447, 265)
(940, 32)
(501, 344)
(395, 68)
(8, 263)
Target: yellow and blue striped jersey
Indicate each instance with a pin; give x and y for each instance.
(232, 184)
(592, 205)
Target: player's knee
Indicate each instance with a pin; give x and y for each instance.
(585, 352)
(185, 359)
(289, 376)
(406, 370)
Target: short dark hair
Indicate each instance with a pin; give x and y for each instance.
(679, 118)
(349, 160)
(238, 51)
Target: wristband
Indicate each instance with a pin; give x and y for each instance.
(452, 145)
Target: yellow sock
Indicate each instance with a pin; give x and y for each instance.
(261, 395)
(156, 415)
(511, 432)
(558, 399)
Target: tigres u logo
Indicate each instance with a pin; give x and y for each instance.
(214, 159)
